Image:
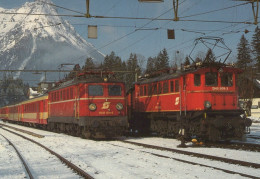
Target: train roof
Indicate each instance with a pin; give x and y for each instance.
(38, 98)
(76, 81)
(177, 74)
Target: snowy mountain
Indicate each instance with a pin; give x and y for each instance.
(39, 42)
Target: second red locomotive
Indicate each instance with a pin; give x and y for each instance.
(200, 102)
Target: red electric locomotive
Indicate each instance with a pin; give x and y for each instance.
(199, 101)
(90, 105)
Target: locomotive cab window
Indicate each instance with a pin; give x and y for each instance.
(211, 79)
(114, 90)
(226, 79)
(95, 90)
(197, 80)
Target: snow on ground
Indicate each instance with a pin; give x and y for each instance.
(114, 159)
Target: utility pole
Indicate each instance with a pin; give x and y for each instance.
(254, 8)
(175, 9)
(88, 14)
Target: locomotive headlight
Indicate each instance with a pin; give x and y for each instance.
(119, 106)
(207, 104)
(92, 107)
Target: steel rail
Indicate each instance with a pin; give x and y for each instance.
(68, 163)
(226, 160)
(24, 131)
(21, 158)
(193, 163)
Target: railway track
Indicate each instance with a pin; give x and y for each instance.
(214, 158)
(233, 145)
(24, 131)
(210, 157)
(62, 159)
(20, 157)
(229, 161)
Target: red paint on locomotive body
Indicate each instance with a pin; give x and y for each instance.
(203, 100)
(96, 106)
(87, 107)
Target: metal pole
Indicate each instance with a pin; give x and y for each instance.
(87, 4)
(175, 9)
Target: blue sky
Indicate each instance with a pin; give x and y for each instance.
(150, 42)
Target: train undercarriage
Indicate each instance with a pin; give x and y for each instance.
(89, 128)
(199, 125)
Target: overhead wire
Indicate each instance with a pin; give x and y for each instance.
(126, 34)
(215, 10)
(62, 7)
(139, 40)
(152, 19)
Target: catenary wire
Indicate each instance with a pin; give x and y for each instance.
(214, 10)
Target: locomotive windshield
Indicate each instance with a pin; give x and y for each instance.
(211, 79)
(226, 79)
(114, 90)
(95, 90)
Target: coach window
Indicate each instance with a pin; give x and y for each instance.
(197, 80)
(71, 93)
(61, 95)
(114, 90)
(95, 90)
(64, 94)
(211, 79)
(165, 87)
(172, 86)
(177, 86)
(226, 79)
(68, 94)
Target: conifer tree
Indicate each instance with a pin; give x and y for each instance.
(162, 60)
(209, 56)
(133, 66)
(187, 61)
(150, 66)
(243, 55)
(89, 64)
(256, 47)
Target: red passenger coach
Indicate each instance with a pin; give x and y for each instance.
(4, 113)
(200, 102)
(34, 111)
(90, 106)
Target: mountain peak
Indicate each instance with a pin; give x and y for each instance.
(37, 41)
